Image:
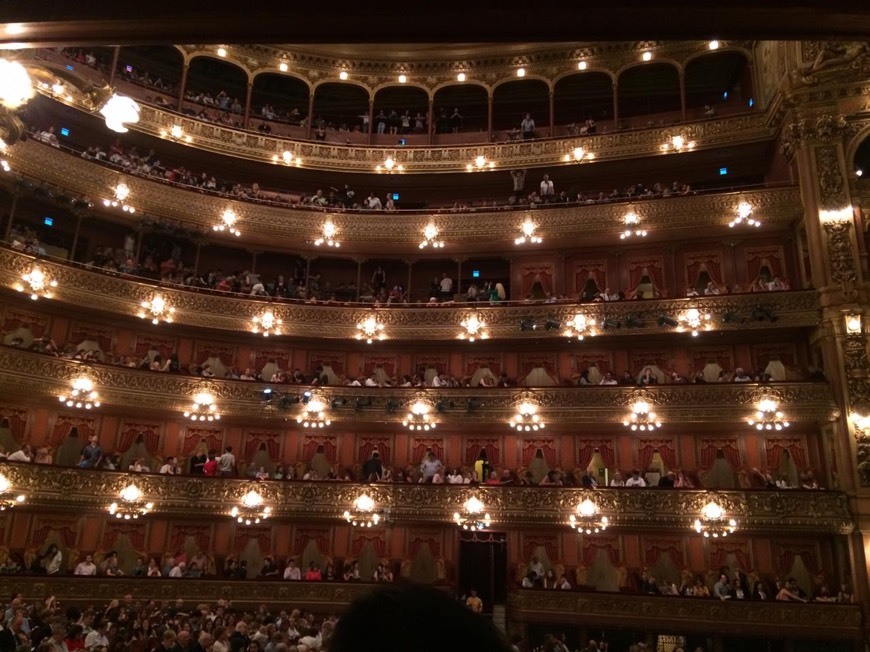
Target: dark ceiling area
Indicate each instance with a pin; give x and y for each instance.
(113, 22)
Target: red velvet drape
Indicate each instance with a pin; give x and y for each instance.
(205, 350)
(549, 543)
(537, 275)
(419, 446)
(728, 447)
(474, 446)
(135, 532)
(261, 534)
(757, 259)
(377, 540)
(66, 422)
(719, 551)
(666, 450)
(385, 362)
(788, 552)
(710, 263)
(591, 546)
(650, 268)
(312, 442)
(587, 448)
(202, 535)
(546, 446)
(367, 445)
(475, 362)
(150, 434)
(280, 357)
(305, 535)
(654, 550)
(163, 345)
(774, 448)
(438, 363)
(591, 272)
(338, 361)
(213, 437)
(66, 532)
(15, 319)
(269, 440)
(17, 419)
(102, 336)
(418, 541)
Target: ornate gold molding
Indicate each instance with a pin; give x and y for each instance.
(756, 511)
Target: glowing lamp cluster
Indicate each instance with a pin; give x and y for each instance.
(641, 417)
(578, 154)
(714, 523)
(370, 329)
(527, 418)
(632, 227)
(744, 216)
(586, 520)
(131, 505)
(528, 234)
(580, 326)
(228, 223)
(474, 328)
(7, 499)
(16, 88)
(119, 111)
(694, 321)
(419, 416)
(328, 233)
(768, 416)
(156, 309)
(364, 512)
(176, 133)
(480, 164)
(678, 144)
(252, 510)
(37, 283)
(120, 194)
(266, 323)
(82, 395)
(203, 408)
(287, 158)
(390, 165)
(430, 237)
(473, 515)
(313, 414)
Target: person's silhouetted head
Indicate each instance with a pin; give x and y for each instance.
(391, 619)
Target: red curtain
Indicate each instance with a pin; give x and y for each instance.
(65, 423)
(549, 543)
(179, 533)
(135, 532)
(649, 268)
(387, 363)
(213, 438)
(438, 363)
(655, 549)
(587, 448)
(418, 449)
(311, 443)
(335, 360)
(66, 531)
(279, 356)
(368, 445)
(262, 535)
(17, 419)
(144, 343)
(206, 350)
(788, 552)
(475, 362)
(728, 448)
(546, 446)
(538, 274)
(474, 446)
(533, 361)
(703, 263)
(757, 259)
(591, 546)
(102, 336)
(429, 540)
(775, 447)
(721, 357)
(590, 272)
(665, 448)
(304, 536)
(150, 434)
(269, 441)
(376, 539)
(763, 354)
(15, 319)
(721, 549)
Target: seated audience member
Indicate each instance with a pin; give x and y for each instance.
(292, 572)
(635, 480)
(722, 589)
(313, 573)
(791, 592)
(617, 480)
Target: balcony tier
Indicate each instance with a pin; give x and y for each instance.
(796, 511)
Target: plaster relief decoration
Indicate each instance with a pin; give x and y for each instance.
(271, 361)
(664, 558)
(590, 279)
(330, 365)
(421, 445)
(537, 281)
(474, 446)
(262, 449)
(646, 278)
(655, 362)
(13, 426)
(831, 184)
(704, 272)
(832, 59)
(214, 359)
(92, 338)
(482, 370)
(840, 254)
(423, 561)
(21, 327)
(151, 346)
(368, 445)
(591, 366)
(538, 370)
(601, 565)
(712, 362)
(382, 366)
(763, 267)
(779, 361)
(139, 440)
(786, 458)
(201, 438)
(430, 365)
(719, 461)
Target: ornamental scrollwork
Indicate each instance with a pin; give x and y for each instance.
(831, 185)
(834, 59)
(841, 260)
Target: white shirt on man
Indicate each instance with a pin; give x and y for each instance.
(85, 568)
(446, 285)
(635, 481)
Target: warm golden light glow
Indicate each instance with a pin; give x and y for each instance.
(266, 323)
(713, 522)
(528, 234)
(252, 509)
(419, 416)
(370, 329)
(119, 111)
(16, 88)
(82, 395)
(203, 408)
(8, 501)
(132, 505)
(580, 326)
(641, 417)
(585, 518)
(228, 222)
(156, 309)
(841, 215)
(37, 283)
(473, 516)
(527, 418)
(768, 416)
(313, 413)
(364, 512)
(430, 237)
(694, 321)
(632, 227)
(474, 328)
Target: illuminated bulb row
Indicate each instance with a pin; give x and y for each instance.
(328, 233)
(475, 328)
(430, 233)
(580, 326)
(156, 309)
(768, 416)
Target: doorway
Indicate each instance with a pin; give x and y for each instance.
(483, 566)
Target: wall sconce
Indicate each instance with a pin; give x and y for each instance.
(528, 234)
(632, 227)
(328, 233)
(841, 215)
(678, 144)
(175, 133)
(430, 237)
(854, 323)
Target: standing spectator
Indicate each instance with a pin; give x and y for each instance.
(527, 126)
(519, 179)
(548, 192)
(227, 463)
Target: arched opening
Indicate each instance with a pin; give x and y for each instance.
(151, 73)
(861, 163)
(471, 103)
(216, 91)
(511, 102)
(649, 95)
(580, 98)
(338, 104)
(279, 105)
(396, 111)
(719, 83)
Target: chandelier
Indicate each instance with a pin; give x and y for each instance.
(15, 85)
(327, 235)
(713, 522)
(420, 416)
(641, 417)
(287, 158)
(578, 154)
(528, 229)
(632, 227)
(370, 329)
(176, 133)
(430, 235)
(579, 326)
(678, 143)
(82, 394)
(314, 413)
(156, 309)
(251, 511)
(585, 518)
(7, 500)
(267, 323)
(228, 223)
(475, 328)
(768, 416)
(36, 282)
(364, 512)
(480, 164)
(390, 165)
(118, 111)
(473, 515)
(203, 408)
(132, 505)
(527, 418)
(120, 194)
(693, 320)
(744, 216)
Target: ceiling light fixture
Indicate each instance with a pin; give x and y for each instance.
(474, 328)
(480, 164)
(228, 223)
(713, 45)
(578, 154)
(430, 237)
(120, 111)
(632, 227)
(585, 518)
(461, 77)
(175, 133)
(120, 194)
(641, 417)
(7, 500)
(526, 418)
(156, 309)
(528, 234)
(132, 505)
(82, 394)
(473, 516)
(678, 144)
(647, 56)
(694, 321)
(744, 216)
(579, 326)
(521, 72)
(266, 323)
(37, 283)
(370, 328)
(768, 416)
(203, 408)
(222, 52)
(251, 510)
(287, 158)
(313, 413)
(420, 416)
(343, 75)
(364, 512)
(713, 522)
(581, 65)
(390, 165)
(16, 88)
(403, 79)
(328, 233)
(283, 67)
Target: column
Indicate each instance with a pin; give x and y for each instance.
(615, 105)
(683, 94)
(308, 260)
(430, 115)
(489, 116)
(254, 255)
(72, 251)
(310, 115)
(410, 264)
(359, 264)
(248, 104)
(182, 86)
(11, 215)
(371, 119)
(799, 255)
(457, 287)
(113, 71)
(196, 259)
(552, 112)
